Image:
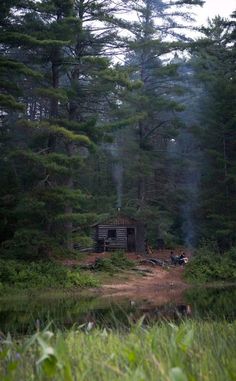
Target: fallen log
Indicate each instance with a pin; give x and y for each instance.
(153, 262)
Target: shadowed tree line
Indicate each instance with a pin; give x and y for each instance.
(92, 102)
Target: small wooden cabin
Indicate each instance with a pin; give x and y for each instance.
(120, 232)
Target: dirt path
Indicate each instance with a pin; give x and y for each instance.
(154, 284)
(158, 287)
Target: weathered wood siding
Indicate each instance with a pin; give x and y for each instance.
(120, 224)
(120, 242)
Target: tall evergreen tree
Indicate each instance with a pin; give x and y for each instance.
(157, 35)
(61, 117)
(215, 63)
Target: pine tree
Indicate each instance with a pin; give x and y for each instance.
(215, 63)
(66, 109)
(156, 37)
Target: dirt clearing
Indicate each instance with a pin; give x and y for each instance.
(155, 284)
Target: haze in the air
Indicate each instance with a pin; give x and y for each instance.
(213, 8)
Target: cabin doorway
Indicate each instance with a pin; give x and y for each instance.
(131, 239)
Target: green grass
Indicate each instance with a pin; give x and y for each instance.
(21, 275)
(17, 276)
(192, 351)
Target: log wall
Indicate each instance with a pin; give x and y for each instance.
(100, 234)
(120, 242)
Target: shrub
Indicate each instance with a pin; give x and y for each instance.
(104, 264)
(117, 261)
(28, 275)
(210, 265)
(120, 260)
(80, 279)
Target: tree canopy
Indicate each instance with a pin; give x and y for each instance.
(100, 110)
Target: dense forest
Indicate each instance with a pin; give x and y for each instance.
(108, 104)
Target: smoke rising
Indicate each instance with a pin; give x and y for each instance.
(186, 147)
(117, 171)
(118, 178)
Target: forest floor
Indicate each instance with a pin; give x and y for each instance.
(154, 283)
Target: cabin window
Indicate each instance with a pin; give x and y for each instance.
(111, 233)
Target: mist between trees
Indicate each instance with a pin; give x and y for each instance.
(83, 133)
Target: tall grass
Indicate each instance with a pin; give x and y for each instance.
(192, 351)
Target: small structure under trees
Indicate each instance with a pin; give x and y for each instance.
(120, 233)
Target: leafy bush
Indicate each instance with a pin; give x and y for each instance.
(117, 261)
(28, 275)
(82, 241)
(79, 279)
(104, 264)
(208, 264)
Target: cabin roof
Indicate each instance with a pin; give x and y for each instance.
(118, 220)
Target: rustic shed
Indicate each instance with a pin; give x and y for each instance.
(120, 232)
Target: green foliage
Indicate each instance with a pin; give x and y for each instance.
(213, 303)
(80, 279)
(8, 102)
(119, 259)
(51, 162)
(126, 122)
(57, 130)
(86, 127)
(83, 241)
(59, 94)
(16, 66)
(71, 118)
(143, 148)
(79, 218)
(14, 38)
(116, 262)
(19, 275)
(214, 63)
(208, 265)
(28, 243)
(164, 352)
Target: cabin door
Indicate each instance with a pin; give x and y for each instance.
(131, 239)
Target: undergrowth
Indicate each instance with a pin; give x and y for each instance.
(192, 351)
(209, 264)
(117, 261)
(20, 275)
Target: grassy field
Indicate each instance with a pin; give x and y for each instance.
(191, 351)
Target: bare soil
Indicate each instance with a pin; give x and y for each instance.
(155, 284)
(158, 287)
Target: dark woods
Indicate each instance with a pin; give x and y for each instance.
(100, 110)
